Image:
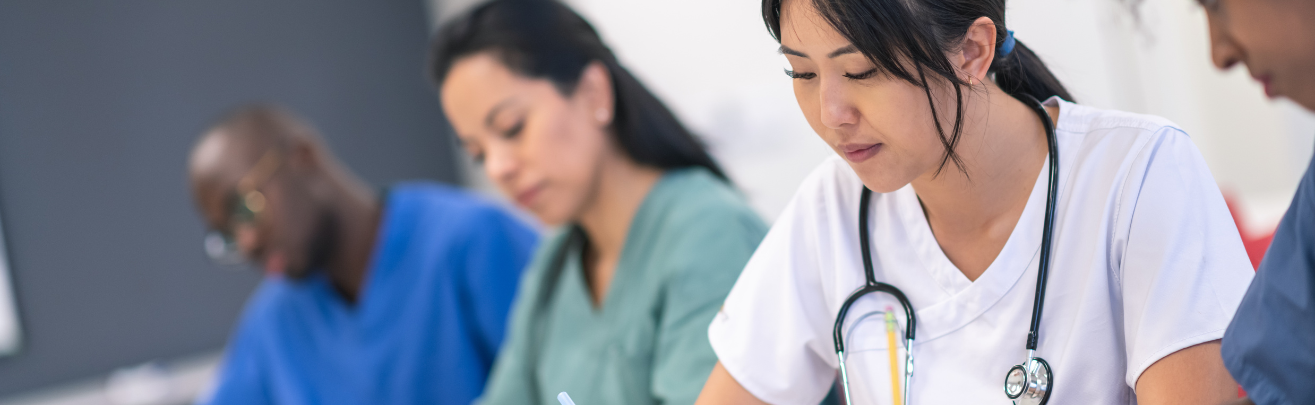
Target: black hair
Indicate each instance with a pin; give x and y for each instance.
(907, 39)
(546, 39)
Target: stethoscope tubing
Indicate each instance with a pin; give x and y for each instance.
(1052, 192)
(871, 285)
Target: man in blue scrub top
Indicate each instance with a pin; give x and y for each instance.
(399, 298)
(1270, 346)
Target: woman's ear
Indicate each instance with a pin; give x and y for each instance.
(977, 50)
(595, 94)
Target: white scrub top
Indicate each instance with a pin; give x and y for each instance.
(1146, 261)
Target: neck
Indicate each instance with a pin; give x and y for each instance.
(607, 217)
(1003, 148)
(357, 212)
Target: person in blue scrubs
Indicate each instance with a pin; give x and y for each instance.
(1270, 345)
(399, 298)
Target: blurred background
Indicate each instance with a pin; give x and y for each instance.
(106, 296)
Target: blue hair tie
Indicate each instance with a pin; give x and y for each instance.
(1008, 45)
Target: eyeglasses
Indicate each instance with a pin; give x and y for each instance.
(246, 203)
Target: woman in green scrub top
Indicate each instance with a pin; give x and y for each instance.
(615, 308)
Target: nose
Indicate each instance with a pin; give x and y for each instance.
(837, 110)
(1224, 52)
(501, 165)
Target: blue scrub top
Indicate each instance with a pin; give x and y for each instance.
(1270, 345)
(425, 330)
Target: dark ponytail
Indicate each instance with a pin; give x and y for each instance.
(546, 39)
(1022, 72)
(921, 32)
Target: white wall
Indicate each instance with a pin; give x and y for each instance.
(1159, 63)
(713, 62)
(715, 65)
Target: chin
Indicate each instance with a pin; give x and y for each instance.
(550, 217)
(880, 183)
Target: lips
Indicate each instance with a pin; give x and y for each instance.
(526, 197)
(859, 152)
(1266, 81)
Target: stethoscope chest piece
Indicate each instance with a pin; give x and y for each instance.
(1029, 383)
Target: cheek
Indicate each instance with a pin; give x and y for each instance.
(288, 217)
(565, 154)
(901, 119)
(810, 105)
(901, 114)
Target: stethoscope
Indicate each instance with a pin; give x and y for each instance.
(1029, 383)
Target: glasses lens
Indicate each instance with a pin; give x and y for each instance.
(243, 208)
(221, 249)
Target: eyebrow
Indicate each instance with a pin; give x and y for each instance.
(848, 49)
(845, 50)
(787, 51)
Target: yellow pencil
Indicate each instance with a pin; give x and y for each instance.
(891, 348)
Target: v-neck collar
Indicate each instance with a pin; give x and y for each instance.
(1026, 235)
(379, 262)
(968, 300)
(641, 226)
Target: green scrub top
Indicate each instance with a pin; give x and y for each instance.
(648, 342)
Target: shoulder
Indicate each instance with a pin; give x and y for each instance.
(274, 301)
(452, 208)
(1082, 119)
(831, 185)
(695, 223)
(688, 200)
(430, 197)
(1115, 149)
(1095, 137)
(829, 195)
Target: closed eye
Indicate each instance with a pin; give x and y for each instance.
(514, 131)
(862, 76)
(800, 75)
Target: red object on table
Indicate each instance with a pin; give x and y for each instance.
(1255, 243)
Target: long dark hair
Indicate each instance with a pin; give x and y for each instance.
(920, 33)
(546, 39)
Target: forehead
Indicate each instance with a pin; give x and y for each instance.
(217, 163)
(803, 28)
(476, 84)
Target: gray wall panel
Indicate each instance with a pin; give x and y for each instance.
(100, 102)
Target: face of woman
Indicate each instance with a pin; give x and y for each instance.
(881, 125)
(542, 149)
(1273, 38)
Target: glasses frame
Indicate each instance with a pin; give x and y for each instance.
(245, 207)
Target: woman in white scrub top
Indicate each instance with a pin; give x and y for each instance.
(1146, 269)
